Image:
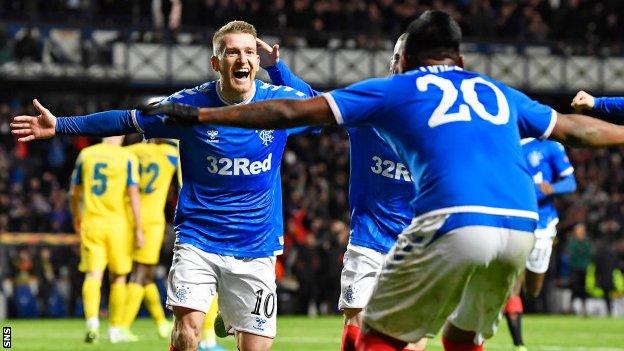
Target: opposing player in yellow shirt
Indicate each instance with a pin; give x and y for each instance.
(157, 164)
(104, 174)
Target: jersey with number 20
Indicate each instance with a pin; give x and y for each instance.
(459, 133)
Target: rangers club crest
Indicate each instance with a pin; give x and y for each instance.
(535, 158)
(182, 292)
(349, 294)
(266, 135)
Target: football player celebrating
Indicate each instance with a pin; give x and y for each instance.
(229, 216)
(380, 192)
(475, 208)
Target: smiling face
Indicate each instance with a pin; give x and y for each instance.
(237, 62)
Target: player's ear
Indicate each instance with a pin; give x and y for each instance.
(214, 62)
(460, 63)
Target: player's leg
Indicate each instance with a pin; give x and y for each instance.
(209, 338)
(248, 301)
(143, 286)
(191, 286)
(476, 316)
(419, 285)
(93, 261)
(539, 259)
(513, 314)
(186, 332)
(135, 292)
(120, 244)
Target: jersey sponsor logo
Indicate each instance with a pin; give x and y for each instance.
(212, 136)
(266, 135)
(237, 166)
(390, 169)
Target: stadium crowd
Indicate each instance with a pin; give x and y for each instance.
(568, 26)
(34, 180)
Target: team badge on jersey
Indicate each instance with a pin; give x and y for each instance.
(212, 136)
(535, 158)
(266, 135)
(349, 294)
(182, 292)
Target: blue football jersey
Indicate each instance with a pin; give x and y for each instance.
(231, 198)
(380, 186)
(459, 134)
(547, 162)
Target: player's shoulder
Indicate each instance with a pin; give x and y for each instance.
(188, 95)
(266, 90)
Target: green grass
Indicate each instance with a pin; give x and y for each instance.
(547, 333)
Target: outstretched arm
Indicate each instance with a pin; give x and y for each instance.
(584, 131)
(46, 125)
(270, 114)
(585, 101)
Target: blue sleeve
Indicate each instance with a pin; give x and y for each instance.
(155, 127)
(559, 161)
(114, 122)
(535, 120)
(282, 75)
(609, 104)
(564, 185)
(358, 104)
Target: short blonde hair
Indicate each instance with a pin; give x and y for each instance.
(232, 27)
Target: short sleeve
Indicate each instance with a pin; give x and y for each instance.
(535, 120)
(358, 104)
(304, 130)
(559, 160)
(133, 171)
(76, 177)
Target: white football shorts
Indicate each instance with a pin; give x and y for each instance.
(465, 276)
(539, 258)
(360, 267)
(246, 288)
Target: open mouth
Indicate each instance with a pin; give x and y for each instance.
(241, 73)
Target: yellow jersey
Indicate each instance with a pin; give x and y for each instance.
(105, 171)
(157, 163)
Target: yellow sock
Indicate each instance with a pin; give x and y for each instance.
(91, 295)
(116, 304)
(134, 296)
(209, 336)
(152, 302)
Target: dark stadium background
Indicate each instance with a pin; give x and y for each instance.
(82, 56)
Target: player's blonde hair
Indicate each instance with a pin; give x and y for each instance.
(232, 27)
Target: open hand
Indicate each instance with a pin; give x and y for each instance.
(269, 55)
(28, 128)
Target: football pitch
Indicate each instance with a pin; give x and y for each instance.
(548, 333)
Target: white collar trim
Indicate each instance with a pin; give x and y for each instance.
(227, 102)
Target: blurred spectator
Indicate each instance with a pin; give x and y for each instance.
(605, 261)
(28, 47)
(580, 251)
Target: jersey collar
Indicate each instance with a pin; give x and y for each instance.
(228, 103)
